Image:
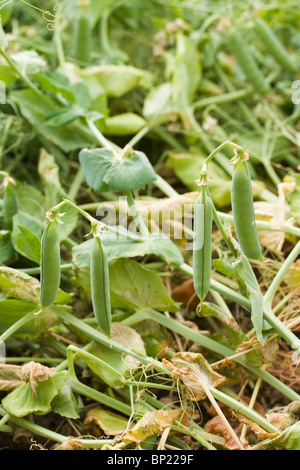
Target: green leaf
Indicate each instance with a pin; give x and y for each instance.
(64, 403)
(244, 270)
(124, 124)
(63, 116)
(54, 193)
(187, 168)
(29, 62)
(21, 402)
(16, 284)
(6, 247)
(26, 242)
(157, 245)
(105, 171)
(118, 79)
(12, 310)
(19, 285)
(157, 104)
(55, 82)
(186, 72)
(31, 204)
(133, 286)
(289, 439)
(34, 111)
(59, 84)
(116, 361)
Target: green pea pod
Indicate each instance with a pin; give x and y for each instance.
(82, 38)
(247, 63)
(243, 211)
(50, 264)
(202, 248)
(100, 286)
(274, 46)
(9, 206)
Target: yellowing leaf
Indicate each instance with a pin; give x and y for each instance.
(260, 432)
(10, 378)
(69, 444)
(110, 423)
(153, 422)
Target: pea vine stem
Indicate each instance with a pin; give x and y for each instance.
(281, 273)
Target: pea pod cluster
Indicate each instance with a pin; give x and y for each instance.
(99, 274)
(202, 247)
(50, 264)
(243, 211)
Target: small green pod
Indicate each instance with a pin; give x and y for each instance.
(202, 245)
(274, 46)
(243, 211)
(10, 206)
(50, 264)
(247, 63)
(99, 274)
(82, 38)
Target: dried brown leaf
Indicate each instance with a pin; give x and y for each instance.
(258, 430)
(217, 427)
(279, 420)
(34, 373)
(153, 422)
(10, 378)
(69, 444)
(193, 369)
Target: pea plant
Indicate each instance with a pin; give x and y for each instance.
(149, 242)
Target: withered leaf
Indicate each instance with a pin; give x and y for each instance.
(259, 431)
(10, 378)
(69, 444)
(110, 423)
(34, 373)
(192, 369)
(153, 422)
(217, 426)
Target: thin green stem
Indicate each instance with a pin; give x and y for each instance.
(59, 45)
(165, 187)
(219, 148)
(52, 435)
(100, 397)
(100, 137)
(223, 231)
(17, 325)
(157, 386)
(37, 269)
(92, 220)
(264, 225)
(76, 184)
(135, 139)
(281, 273)
(136, 215)
(221, 99)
